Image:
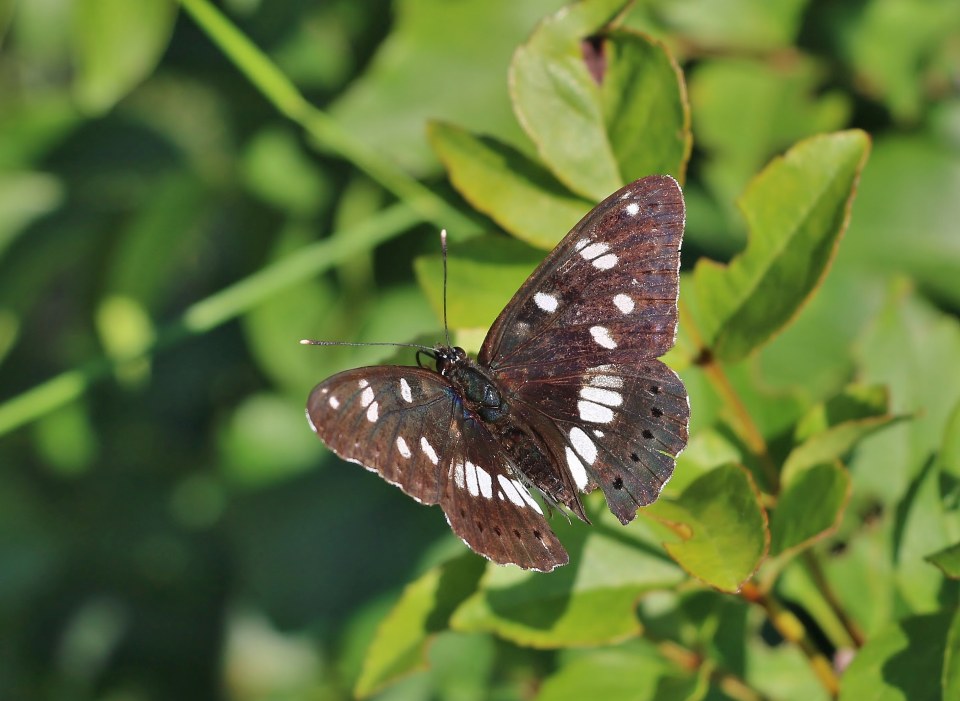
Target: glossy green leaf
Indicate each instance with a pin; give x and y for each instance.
(484, 273)
(903, 661)
(423, 610)
(588, 602)
(809, 508)
(634, 674)
(948, 560)
(796, 210)
(558, 102)
(117, 44)
(500, 181)
(645, 104)
(721, 528)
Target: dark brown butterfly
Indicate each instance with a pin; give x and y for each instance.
(566, 395)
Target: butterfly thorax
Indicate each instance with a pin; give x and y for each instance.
(475, 386)
(526, 449)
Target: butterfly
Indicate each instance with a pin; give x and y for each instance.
(565, 396)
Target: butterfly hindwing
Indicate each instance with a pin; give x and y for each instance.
(408, 425)
(489, 507)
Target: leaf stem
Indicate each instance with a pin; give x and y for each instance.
(744, 423)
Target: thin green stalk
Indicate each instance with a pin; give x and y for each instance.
(327, 133)
(216, 309)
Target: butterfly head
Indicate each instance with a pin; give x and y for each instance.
(448, 357)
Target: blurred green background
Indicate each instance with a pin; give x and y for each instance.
(169, 526)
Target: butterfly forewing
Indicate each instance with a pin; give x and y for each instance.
(409, 426)
(609, 287)
(578, 343)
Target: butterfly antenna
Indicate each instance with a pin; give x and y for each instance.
(443, 255)
(310, 342)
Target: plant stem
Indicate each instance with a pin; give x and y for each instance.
(826, 590)
(793, 631)
(732, 685)
(325, 131)
(216, 309)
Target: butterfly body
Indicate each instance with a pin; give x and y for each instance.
(565, 396)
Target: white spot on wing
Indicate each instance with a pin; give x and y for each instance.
(458, 475)
(366, 396)
(580, 244)
(632, 209)
(611, 381)
(373, 413)
(602, 396)
(594, 250)
(530, 500)
(605, 262)
(472, 486)
(333, 402)
(485, 483)
(595, 413)
(405, 391)
(577, 470)
(510, 490)
(624, 303)
(363, 383)
(598, 433)
(602, 336)
(403, 447)
(547, 303)
(428, 450)
(583, 445)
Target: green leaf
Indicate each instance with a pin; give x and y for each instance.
(846, 419)
(741, 25)
(591, 601)
(485, 272)
(645, 104)
(796, 210)
(951, 661)
(637, 674)
(852, 403)
(948, 560)
(558, 102)
(891, 47)
(912, 347)
(902, 661)
(441, 60)
(722, 527)
(911, 185)
(500, 181)
(424, 609)
(117, 44)
(809, 507)
(786, 101)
